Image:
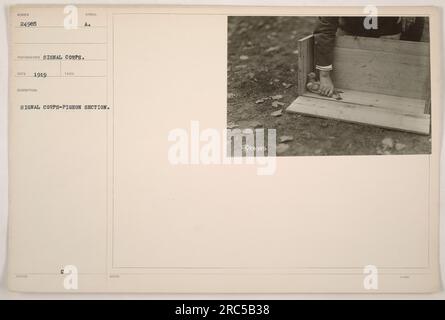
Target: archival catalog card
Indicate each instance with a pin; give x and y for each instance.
(224, 149)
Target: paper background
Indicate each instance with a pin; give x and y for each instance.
(296, 3)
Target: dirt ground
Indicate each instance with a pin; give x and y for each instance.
(262, 63)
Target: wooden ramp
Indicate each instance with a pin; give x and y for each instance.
(384, 82)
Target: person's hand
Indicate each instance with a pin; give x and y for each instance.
(326, 84)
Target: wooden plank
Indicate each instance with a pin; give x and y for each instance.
(387, 73)
(427, 109)
(360, 114)
(305, 47)
(397, 104)
(384, 45)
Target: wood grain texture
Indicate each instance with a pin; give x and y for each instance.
(360, 114)
(397, 104)
(384, 45)
(401, 75)
(305, 47)
(427, 109)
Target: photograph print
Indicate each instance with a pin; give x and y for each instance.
(330, 85)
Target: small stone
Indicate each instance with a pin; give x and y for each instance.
(240, 66)
(230, 95)
(286, 139)
(232, 125)
(271, 49)
(260, 101)
(287, 85)
(324, 124)
(318, 151)
(277, 97)
(255, 124)
(243, 57)
(281, 148)
(277, 104)
(277, 113)
(400, 146)
(388, 143)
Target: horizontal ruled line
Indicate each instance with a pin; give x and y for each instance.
(60, 77)
(41, 27)
(63, 60)
(60, 42)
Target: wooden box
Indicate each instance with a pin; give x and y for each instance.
(384, 82)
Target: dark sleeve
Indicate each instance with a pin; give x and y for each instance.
(415, 31)
(324, 36)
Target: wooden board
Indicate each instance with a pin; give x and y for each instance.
(384, 45)
(382, 117)
(305, 47)
(390, 73)
(397, 104)
(428, 104)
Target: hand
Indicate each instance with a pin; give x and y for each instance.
(326, 84)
